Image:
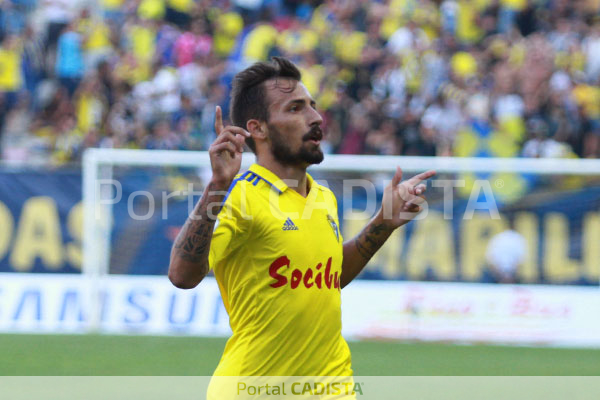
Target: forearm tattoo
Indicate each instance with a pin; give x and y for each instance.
(193, 241)
(371, 239)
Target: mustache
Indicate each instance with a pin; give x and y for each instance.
(315, 133)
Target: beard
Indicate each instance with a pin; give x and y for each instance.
(307, 154)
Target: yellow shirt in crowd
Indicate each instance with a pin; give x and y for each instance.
(10, 70)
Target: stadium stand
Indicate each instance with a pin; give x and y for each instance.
(489, 78)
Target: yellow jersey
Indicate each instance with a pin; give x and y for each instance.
(277, 258)
(10, 70)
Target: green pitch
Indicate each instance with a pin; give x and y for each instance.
(144, 355)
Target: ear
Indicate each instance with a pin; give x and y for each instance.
(256, 128)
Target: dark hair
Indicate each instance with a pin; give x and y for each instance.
(248, 94)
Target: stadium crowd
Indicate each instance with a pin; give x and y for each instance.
(490, 78)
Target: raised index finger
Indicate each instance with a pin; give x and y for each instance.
(415, 180)
(218, 121)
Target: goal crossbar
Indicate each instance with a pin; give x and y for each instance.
(355, 163)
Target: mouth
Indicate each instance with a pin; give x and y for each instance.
(314, 136)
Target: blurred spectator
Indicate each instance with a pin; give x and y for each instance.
(192, 44)
(33, 59)
(57, 15)
(540, 145)
(11, 78)
(490, 78)
(591, 48)
(505, 253)
(69, 58)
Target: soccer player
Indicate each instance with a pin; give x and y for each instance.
(271, 234)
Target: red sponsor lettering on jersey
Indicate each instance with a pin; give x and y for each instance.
(312, 277)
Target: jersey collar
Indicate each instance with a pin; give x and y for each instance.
(276, 182)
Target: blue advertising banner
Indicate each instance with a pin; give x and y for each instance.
(40, 221)
(559, 223)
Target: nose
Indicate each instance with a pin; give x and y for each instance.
(315, 117)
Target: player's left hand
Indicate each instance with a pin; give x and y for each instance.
(402, 201)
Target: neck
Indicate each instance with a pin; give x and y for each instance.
(287, 172)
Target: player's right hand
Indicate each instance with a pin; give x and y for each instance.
(226, 151)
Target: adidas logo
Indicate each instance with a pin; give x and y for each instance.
(289, 225)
